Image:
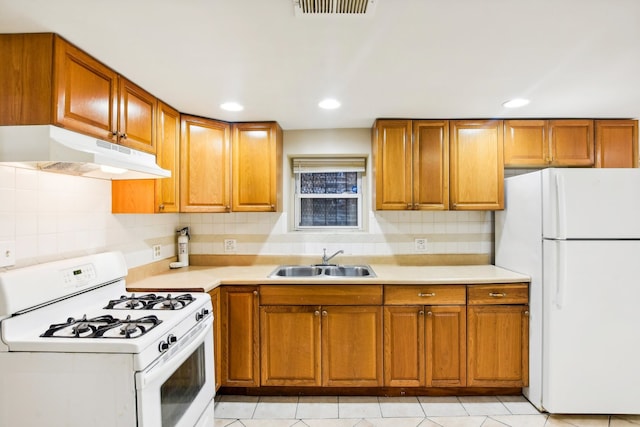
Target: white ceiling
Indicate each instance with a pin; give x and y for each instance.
(412, 59)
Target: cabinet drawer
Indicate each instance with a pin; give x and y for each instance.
(498, 294)
(321, 295)
(424, 295)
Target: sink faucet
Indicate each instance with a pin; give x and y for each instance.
(326, 259)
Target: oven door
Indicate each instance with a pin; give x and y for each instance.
(178, 389)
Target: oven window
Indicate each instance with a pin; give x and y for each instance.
(181, 388)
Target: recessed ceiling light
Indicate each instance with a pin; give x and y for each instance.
(329, 104)
(231, 106)
(515, 103)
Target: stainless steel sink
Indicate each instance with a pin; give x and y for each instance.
(322, 271)
(296, 271)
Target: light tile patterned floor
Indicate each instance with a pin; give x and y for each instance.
(333, 411)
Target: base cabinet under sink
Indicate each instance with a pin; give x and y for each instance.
(390, 338)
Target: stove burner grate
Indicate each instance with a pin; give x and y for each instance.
(105, 326)
(150, 302)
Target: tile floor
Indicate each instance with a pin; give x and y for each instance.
(333, 411)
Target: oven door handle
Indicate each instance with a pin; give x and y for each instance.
(170, 362)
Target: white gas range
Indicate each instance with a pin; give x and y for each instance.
(77, 350)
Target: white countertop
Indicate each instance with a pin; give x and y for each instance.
(207, 278)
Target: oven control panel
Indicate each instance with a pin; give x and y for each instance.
(80, 276)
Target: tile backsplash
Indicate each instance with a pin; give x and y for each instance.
(51, 216)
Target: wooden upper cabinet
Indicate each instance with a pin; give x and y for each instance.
(257, 167)
(204, 165)
(85, 94)
(137, 117)
(50, 81)
(542, 143)
(392, 162)
(526, 143)
(616, 143)
(430, 164)
(411, 164)
(154, 195)
(167, 190)
(26, 86)
(571, 142)
(476, 165)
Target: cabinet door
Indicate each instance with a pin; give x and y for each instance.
(526, 143)
(352, 346)
(204, 165)
(217, 336)
(497, 346)
(257, 167)
(571, 142)
(85, 93)
(240, 336)
(431, 165)
(404, 346)
(476, 165)
(392, 162)
(168, 157)
(616, 143)
(154, 195)
(290, 346)
(446, 346)
(137, 117)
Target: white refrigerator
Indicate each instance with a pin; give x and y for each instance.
(576, 232)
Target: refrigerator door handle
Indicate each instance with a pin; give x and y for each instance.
(561, 212)
(561, 275)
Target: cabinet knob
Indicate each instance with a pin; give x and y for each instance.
(255, 293)
(421, 312)
(324, 313)
(316, 313)
(409, 205)
(497, 294)
(161, 207)
(123, 135)
(526, 313)
(273, 207)
(429, 313)
(429, 294)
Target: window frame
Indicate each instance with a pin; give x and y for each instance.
(329, 165)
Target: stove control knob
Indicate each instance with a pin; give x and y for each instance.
(163, 346)
(171, 339)
(202, 314)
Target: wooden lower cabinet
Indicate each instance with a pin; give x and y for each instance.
(498, 336)
(217, 336)
(425, 346)
(240, 336)
(290, 346)
(421, 336)
(352, 346)
(321, 346)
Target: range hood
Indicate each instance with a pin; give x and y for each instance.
(54, 149)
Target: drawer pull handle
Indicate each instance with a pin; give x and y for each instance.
(430, 294)
(497, 294)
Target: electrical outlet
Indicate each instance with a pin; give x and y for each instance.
(229, 245)
(421, 245)
(157, 252)
(7, 253)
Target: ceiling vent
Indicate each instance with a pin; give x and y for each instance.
(334, 7)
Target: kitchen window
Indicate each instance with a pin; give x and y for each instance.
(328, 193)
